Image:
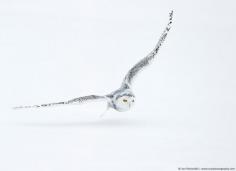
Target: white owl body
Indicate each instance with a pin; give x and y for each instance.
(122, 99)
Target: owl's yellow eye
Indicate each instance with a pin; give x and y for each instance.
(124, 100)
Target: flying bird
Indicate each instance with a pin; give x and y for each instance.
(123, 98)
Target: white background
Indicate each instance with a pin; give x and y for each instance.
(57, 50)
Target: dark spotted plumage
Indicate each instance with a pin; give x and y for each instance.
(85, 99)
(146, 61)
(78, 100)
(122, 98)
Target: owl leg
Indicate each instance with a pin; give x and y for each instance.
(103, 113)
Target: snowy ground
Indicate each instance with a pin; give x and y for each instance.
(184, 114)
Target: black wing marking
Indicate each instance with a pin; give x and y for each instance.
(146, 61)
(79, 100)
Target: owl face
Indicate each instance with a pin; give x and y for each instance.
(124, 102)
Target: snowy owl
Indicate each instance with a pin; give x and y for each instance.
(123, 98)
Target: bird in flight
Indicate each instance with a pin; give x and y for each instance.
(123, 98)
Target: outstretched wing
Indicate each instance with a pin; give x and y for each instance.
(79, 100)
(146, 61)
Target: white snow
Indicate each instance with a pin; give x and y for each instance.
(184, 114)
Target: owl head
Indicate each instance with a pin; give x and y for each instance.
(123, 102)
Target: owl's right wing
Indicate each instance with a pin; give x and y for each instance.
(79, 100)
(147, 60)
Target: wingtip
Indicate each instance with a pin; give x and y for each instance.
(15, 108)
(20, 107)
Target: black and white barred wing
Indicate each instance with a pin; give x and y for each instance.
(146, 61)
(79, 100)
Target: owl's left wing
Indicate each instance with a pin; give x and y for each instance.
(146, 60)
(79, 100)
